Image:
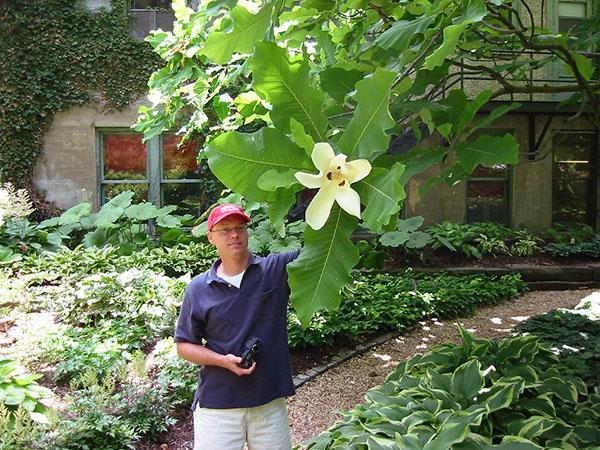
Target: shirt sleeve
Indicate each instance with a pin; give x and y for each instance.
(189, 328)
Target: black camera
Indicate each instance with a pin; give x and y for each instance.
(250, 349)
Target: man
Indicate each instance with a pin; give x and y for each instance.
(241, 296)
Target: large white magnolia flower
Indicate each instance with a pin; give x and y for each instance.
(333, 180)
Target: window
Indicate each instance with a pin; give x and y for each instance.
(96, 5)
(157, 171)
(487, 195)
(148, 15)
(570, 15)
(572, 186)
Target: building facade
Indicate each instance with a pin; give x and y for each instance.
(90, 155)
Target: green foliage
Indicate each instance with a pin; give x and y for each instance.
(102, 349)
(119, 223)
(483, 393)
(56, 54)
(586, 248)
(349, 74)
(17, 430)
(570, 334)
(174, 374)
(111, 416)
(407, 235)
(478, 239)
(571, 233)
(383, 302)
(192, 258)
(525, 244)
(140, 297)
(20, 390)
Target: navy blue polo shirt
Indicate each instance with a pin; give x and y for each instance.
(221, 317)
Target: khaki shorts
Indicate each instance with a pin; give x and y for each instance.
(262, 427)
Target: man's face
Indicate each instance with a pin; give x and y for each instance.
(230, 237)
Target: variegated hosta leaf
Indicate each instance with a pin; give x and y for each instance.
(467, 380)
(323, 267)
(286, 86)
(382, 194)
(365, 136)
(247, 28)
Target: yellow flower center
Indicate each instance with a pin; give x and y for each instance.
(336, 176)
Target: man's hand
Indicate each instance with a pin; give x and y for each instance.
(199, 354)
(230, 362)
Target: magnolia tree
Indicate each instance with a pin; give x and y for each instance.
(291, 94)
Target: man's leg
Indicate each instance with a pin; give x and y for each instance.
(268, 427)
(219, 429)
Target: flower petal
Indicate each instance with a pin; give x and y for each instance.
(322, 155)
(309, 180)
(357, 170)
(318, 211)
(349, 200)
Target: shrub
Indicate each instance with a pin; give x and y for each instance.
(138, 297)
(106, 415)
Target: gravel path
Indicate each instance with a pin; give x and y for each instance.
(313, 408)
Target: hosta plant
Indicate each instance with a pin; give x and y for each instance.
(481, 394)
(20, 390)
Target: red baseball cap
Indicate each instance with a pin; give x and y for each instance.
(225, 210)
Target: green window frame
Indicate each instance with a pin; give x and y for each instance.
(151, 182)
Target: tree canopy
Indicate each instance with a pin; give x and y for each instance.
(264, 81)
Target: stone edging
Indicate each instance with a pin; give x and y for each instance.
(341, 358)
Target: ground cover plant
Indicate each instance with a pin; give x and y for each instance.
(480, 394)
(100, 324)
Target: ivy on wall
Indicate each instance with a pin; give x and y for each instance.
(55, 54)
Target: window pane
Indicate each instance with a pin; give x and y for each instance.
(141, 23)
(151, 4)
(565, 25)
(140, 191)
(568, 9)
(124, 156)
(164, 20)
(486, 201)
(570, 177)
(189, 198)
(179, 162)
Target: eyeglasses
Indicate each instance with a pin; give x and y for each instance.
(238, 230)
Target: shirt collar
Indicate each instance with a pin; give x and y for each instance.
(212, 272)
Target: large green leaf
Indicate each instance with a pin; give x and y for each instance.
(454, 429)
(502, 395)
(286, 86)
(338, 82)
(74, 214)
(323, 267)
(247, 29)
(112, 211)
(382, 193)
(402, 32)
(467, 380)
(240, 159)
(488, 150)
(142, 211)
(365, 136)
(476, 11)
